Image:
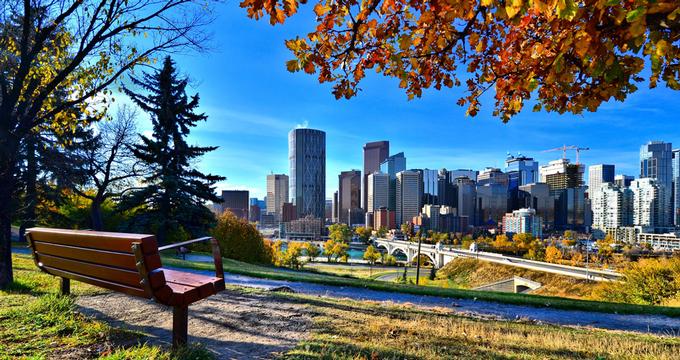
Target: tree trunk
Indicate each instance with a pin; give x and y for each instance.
(30, 179)
(96, 215)
(6, 190)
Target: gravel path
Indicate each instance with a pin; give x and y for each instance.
(231, 324)
(657, 324)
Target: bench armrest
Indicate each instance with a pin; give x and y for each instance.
(217, 255)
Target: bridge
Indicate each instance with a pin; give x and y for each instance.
(440, 255)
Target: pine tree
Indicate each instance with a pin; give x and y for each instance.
(172, 202)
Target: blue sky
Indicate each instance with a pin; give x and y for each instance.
(252, 102)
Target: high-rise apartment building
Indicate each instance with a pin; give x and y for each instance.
(307, 156)
(523, 221)
(391, 166)
(237, 202)
(612, 207)
(407, 196)
(277, 194)
(378, 191)
(656, 162)
(374, 154)
(676, 187)
(349, 194)
(598, 175)
(649, 203)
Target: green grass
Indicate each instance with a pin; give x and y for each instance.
(268, 272)
(36, 322)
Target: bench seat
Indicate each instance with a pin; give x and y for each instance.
(127, 263)
(187, 288)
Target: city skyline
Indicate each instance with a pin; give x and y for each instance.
(252, 103)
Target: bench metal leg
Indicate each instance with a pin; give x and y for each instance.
(180, 322)
(65, 287)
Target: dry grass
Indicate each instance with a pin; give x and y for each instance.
(353, 330)
(470, 273)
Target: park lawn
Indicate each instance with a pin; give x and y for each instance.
(270, 272)
(36, 322)
(346, 329)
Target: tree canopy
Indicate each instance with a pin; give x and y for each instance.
(568, 55)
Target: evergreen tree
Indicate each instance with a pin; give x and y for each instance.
(172, 202)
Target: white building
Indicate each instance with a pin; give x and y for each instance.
(612, 207)
(667, 242)
(408, 196)
(649, 203)
(378, 188)
(523, 221)
(277, 194)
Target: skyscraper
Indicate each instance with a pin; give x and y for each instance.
(349, 193)
(598, 175)
(407, 196)
(521, 170)
(676, 186)
(237, 202)
(467, 198)
(277, 194)
(446, 189)
(307, 156)
(374, 154)
(656, 162)
(391, 166)
(378, 191)
(537, 196)
(428, 186)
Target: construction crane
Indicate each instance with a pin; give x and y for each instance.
(564, 149)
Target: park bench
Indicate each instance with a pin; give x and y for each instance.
(126, 263)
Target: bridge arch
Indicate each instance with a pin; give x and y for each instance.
(400, 254)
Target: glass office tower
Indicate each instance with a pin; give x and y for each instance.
(307, 156)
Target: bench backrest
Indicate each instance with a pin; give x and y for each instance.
(102, 259)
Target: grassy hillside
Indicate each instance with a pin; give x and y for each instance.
(270, 272)
(36, 323)
(471, 273)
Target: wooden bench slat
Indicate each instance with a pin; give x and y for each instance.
(97, 282)
(94, 239)
(188, 279)
(102, 272)
(110, 258)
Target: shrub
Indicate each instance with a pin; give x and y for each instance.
(648, 281)
(240, 240)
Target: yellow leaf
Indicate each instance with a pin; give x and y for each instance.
(661, 47)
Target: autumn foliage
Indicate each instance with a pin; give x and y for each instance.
(568, 55)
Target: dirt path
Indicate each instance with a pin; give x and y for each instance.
(234, 325)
